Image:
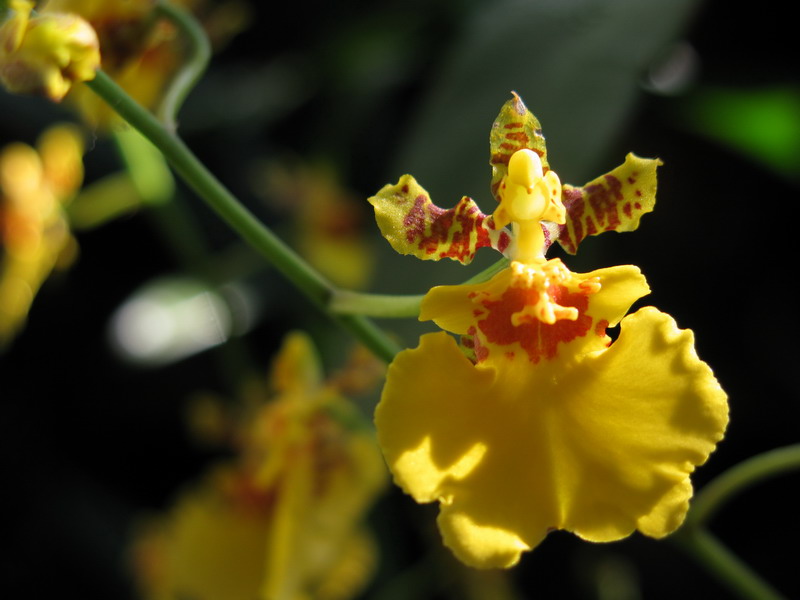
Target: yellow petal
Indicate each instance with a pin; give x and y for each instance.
(480, 546)
(668, 514)
(436, 409)
(644, 414)
(493, 311)
(296, 368)
(599, 444)
(416, 406)
(61, 149)
(205, 549)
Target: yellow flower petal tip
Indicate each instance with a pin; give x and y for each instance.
(47, 53)
(296, 368)
(479, 546)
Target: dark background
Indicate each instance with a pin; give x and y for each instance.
(379, 89)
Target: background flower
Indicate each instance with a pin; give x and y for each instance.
(142, 51)
(46, 53)
(285, 520)
(34, 232)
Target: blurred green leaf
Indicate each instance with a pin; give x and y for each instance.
(762, 124)
(108, 198)
(147, 166)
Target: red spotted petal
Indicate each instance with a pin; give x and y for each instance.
(415, 225)
(613, 202)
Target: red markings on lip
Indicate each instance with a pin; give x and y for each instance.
(600, 327)
(539, 340)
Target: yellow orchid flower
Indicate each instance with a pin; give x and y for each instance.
(46, 54)
(284, 522)
(539, 421)
(34, 233)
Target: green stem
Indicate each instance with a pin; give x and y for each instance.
(396, 306)
(488, 272)
(192, 68)
(701, 545)
(729, 569)
(741, 477)
(347, 302)
(240, 219)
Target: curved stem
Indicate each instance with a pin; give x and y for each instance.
(740, 477)
(192, 68)
(728, 568)
(225, 204)
(701, 545)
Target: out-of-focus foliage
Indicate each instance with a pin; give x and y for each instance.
(763, 123)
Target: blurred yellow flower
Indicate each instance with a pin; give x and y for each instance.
(328, 222)
(140, 52)
(539, 422)
(285, 521)
(34, 233)
(47, 53)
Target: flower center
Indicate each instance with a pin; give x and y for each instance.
(528, 196)
(543, 278)
(531, 307)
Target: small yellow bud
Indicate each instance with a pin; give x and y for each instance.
(46, 54)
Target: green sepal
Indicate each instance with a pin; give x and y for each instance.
(515, 128)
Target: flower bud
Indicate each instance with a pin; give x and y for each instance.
(46, 54)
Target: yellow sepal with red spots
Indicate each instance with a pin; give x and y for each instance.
(612, 202)
(414, 225)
